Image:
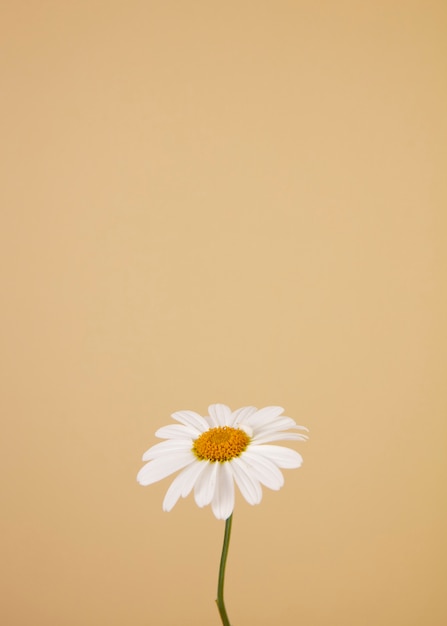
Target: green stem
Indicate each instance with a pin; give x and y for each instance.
(223, 561)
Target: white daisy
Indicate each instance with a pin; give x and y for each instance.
(221, 449)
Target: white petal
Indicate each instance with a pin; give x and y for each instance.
(190, 418)
(241, 414)
(175, 491)
(165, 466)
(278, 437)
(301, 428)
(247, 429)
(264, 416)
(281, 456)
(212, 423)
(220, 414)
(248, 485)
(182, 484)
(205, 485)
(192, 473)
(177, 431)
(263, 469)
(164, 448)
(223, 500)
(280, 423)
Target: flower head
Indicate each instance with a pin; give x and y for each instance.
(220, 449)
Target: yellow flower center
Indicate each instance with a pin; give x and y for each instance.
(220, 444)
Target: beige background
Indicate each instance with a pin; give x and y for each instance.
(236, 202)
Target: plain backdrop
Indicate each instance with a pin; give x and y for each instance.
(237, 202)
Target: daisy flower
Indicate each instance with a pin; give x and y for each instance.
(220, 449)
